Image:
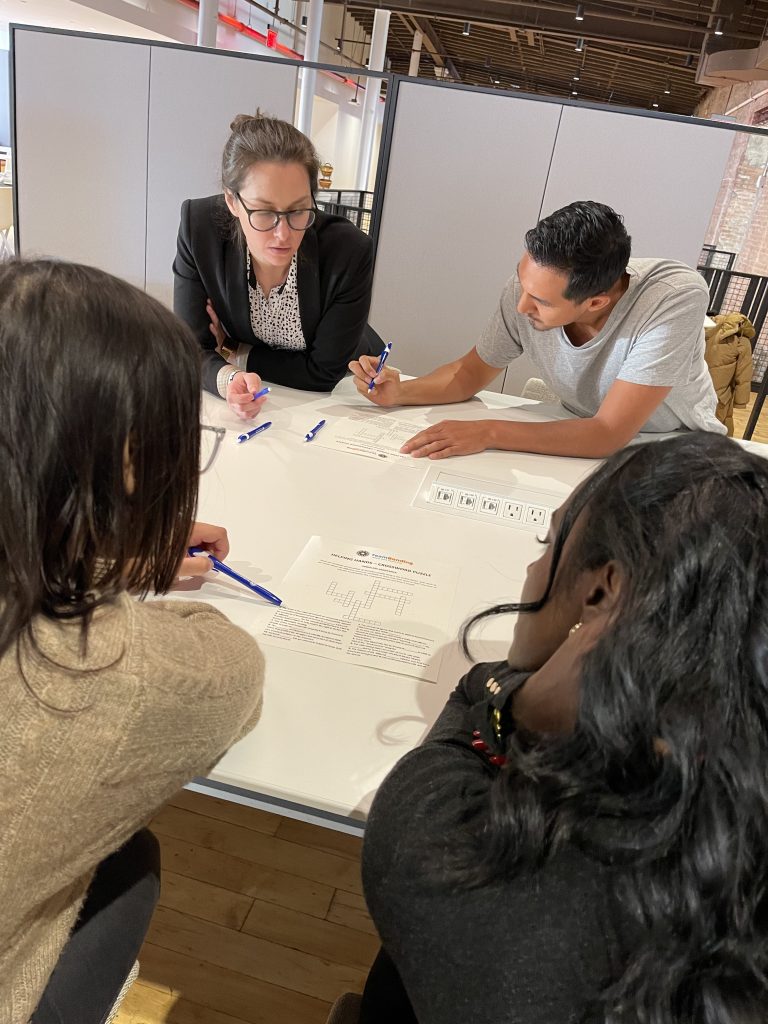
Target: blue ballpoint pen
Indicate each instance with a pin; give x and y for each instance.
(382, 359)
(310, 434)
(261, 394)
(252, 433)
(220, 567)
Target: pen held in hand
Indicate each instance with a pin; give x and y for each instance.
(382, 359)
(310, 435)
(222, 568)
(261, 394)
(252, 433)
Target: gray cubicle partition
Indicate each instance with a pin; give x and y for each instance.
(470, 170)
(132, 128)
(663, 175)
(193, 96)
(80, 149)
(464, 180)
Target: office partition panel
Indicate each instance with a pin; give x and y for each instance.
(193, 97)
(663, 175)
(80, 164)
(464, 180)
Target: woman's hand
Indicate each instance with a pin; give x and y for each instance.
(387, 390)
(213, 539)
(240, 392)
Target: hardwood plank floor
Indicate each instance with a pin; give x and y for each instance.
(261, 919)
(741, 416)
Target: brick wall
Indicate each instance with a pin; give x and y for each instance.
(739, 220)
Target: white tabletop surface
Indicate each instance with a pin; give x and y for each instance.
(331, 731)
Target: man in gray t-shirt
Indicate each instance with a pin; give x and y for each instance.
(620, 341)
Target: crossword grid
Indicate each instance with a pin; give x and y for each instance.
(378, 590)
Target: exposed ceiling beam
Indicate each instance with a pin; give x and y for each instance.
(536, 16)
(434, 44)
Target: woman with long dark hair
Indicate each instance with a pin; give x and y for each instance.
(110, 705)
(583, 835)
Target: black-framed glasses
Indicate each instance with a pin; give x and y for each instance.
(267, 220)
(210, 440)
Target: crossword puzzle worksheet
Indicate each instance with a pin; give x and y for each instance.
(363, 604)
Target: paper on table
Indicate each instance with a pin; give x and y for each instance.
(373, 436)
(367, 606)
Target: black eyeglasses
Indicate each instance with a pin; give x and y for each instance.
(210, 441)
(267, 220)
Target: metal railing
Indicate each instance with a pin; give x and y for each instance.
(353, 204)
(721, 259)
(730, 291)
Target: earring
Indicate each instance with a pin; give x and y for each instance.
(575, 628)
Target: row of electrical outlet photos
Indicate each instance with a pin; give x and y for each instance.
(491, 505)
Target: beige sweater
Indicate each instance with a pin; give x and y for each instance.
(91, 747)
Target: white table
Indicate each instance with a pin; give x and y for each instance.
(331, 731)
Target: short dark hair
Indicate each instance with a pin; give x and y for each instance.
(586, 240)
(88, 362)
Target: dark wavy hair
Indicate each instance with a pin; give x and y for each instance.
(585, 240)
(664, 776)
(88, 363)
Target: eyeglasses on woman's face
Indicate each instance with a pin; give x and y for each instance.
(267, 220)
(210, 441)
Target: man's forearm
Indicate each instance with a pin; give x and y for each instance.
(581, 438)
(449, 383)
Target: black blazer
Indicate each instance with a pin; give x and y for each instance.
(334, 278)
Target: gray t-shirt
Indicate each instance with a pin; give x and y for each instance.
(654, 335)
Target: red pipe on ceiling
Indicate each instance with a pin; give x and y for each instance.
(251, 33)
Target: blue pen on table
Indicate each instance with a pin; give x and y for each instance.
(382, 359)
(252, 433)
(310, 434)
(261, 394)
(221, 567)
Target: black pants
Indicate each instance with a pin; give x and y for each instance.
(107, 937)
(385, 1000)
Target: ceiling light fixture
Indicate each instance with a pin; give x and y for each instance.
(668, 88)
(574, 92)
(579, 12)
(579, 45)
(655, 104)
(465, 31)
(577, 78)
(353, 99)
(719, 27)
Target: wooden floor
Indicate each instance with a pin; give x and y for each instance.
(740, 417)
(261, 919)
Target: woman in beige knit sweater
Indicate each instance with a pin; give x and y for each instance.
(109, 705)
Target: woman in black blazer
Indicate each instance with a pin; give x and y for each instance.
(271, 287)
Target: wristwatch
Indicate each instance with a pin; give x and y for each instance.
(232, 376)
